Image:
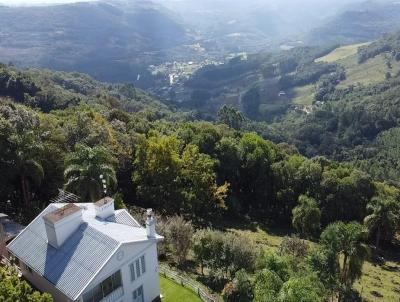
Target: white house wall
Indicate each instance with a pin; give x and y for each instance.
(122, 258)
(43, 285)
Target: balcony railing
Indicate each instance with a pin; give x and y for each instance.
(114, 296)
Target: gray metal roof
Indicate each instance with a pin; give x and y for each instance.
(123, 217)
(72, 266)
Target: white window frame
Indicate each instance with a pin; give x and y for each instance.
(138, 267)
(137, 291)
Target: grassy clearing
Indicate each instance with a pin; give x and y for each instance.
(260, 236)
(384, 280)
(303, 95)
(341, 53)
(380, 283)
(173, 292)
(370, 72)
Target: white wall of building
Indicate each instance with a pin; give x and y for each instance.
(43, 285)
(123, 257)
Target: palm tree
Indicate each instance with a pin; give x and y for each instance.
(90, 172)
(383, 217)
(28, 169)
(346, 241)
(30, 173)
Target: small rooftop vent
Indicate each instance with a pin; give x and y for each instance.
(62, 223)
(104, 207)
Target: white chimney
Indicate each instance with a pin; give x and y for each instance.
(150, 224)
(104, 207)
(62, 223)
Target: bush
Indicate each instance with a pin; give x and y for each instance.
(238, 290)
(293, 246)
(224, 253)
(267, 286)
(179, 233)
(306, 216)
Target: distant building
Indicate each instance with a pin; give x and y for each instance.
(89, 253)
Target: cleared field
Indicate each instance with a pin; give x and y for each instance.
(303, 95)
(370, 72)
(173, 292)
(341, 53)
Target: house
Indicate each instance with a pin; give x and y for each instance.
(9, 229)
(89, 252)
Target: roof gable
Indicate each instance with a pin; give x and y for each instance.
(72, 266)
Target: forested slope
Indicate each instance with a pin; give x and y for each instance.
(62, 130)
(352, 119)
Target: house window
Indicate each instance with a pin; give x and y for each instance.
(105, 288)
(137, 268)
(143, 264)
(138, 294)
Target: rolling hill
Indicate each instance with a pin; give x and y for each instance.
(111, 41)
(358, 23)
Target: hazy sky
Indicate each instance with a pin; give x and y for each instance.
(33, 2)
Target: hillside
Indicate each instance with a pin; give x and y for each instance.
(112, 42)
(49, 90)
(276, 78)
(362, 22)
(355, 118)
(64, 130)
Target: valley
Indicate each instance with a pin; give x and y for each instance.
(253, 145)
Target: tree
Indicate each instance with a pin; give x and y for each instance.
(240, 289)
(345, 242)
(345, 192)
(177, 179)
(156, 173)
(231, 117)
(202, 196)
(275, 263)
(304, 289)
(2, 240)
(224, 253)
(383, 217)
(119, 201)
(21, 146)
(257, 156)
(179, 234)
(251, 102)
(12, 288)
(202, 247)
(267, 285)
(306, 216)
(86, 168)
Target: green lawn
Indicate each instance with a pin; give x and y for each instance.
(173, 292)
